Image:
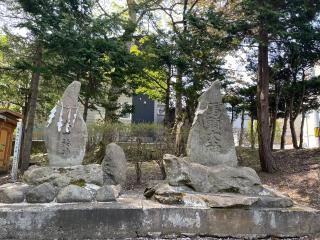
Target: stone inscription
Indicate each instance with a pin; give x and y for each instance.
(212, 121)
(65, 145)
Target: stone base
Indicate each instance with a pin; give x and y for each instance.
(132, 217)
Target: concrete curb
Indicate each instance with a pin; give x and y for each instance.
(134, 217)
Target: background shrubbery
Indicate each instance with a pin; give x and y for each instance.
(141, 142)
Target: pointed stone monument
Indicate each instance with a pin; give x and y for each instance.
(209, 175)
(210, 139)
(66, 132)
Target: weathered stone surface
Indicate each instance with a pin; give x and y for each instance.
(167, 194)
(182, 195)
(228, 200)
(91, 173)
(131, 216)
(73, 193)
(163, 185)
(36, 175)
(43, 193)
(92, 188)
(114, 165)
(108, 193)
(217, 179)
(61, 181)
(11, 196)
(13, 192)
(272, 198)
(193, 200)
(66, 134)
(17, 186)
(61, 177)
(210, 139)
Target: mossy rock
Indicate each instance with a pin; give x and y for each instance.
(78, 182)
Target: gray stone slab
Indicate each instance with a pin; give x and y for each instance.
(133, 217)
(210, 140)
(66, 133)
(114, 165)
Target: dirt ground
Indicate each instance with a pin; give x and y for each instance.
(298, 174)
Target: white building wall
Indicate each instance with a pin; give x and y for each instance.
(98, 115)
(309, 130)
(312, 122)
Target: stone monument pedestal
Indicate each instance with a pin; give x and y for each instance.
(133, 217)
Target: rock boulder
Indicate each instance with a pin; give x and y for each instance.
(13, 192)
(43, 193)
(220, 178)
(73, 193)
(108, 193)
(114, 165)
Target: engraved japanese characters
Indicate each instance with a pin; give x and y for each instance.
(66, 132)
(210, 139)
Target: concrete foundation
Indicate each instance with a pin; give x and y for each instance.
(133, 217)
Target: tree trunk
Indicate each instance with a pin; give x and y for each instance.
(137, 167)
(85, 109)
(284, 130)
(241, 129)
(167, 99)
(292, 119)
(232, 116)
(265, 154)
(132, 10)
(23, 127)
(252, 139)
(29, 122)
(178, 112)
(301, 128)
(293, 133)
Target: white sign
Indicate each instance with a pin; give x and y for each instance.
(16, 153)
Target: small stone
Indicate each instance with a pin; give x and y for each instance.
(92, 188)
(192, 200)
(167, 194)
(61, 181)
(36, 175)
(274, 199)
(66, 134)
(91, 173)
(210, 140)
(73, 193)
(13, 192)
(114, 165)
(43, 193)
(20, 186)
(228, 200)
(108, 193)
(11, 196)
(274, 202)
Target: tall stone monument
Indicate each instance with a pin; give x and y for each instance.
(66, 132)
(209, 175)
(210, 139)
